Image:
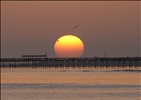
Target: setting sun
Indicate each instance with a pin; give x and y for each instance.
(69, 46)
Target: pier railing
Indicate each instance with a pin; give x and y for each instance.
(93, 62)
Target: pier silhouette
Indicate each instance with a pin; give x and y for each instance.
(42, 61)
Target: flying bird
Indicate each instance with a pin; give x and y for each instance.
(75, 26)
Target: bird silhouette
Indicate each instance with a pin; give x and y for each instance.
(75, 26)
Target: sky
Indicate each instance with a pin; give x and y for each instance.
(32, 27)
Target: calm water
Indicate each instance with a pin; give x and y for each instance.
(70, 84)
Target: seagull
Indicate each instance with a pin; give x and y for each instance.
(75, 26)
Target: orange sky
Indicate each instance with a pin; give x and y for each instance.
(33, 27)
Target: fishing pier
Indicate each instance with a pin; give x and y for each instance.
(42, 61)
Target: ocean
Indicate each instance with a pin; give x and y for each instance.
(70, 84)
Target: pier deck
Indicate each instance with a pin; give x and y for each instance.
(94, 62)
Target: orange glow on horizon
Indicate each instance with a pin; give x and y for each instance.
(69, 46)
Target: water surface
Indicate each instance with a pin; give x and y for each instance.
(70, 84)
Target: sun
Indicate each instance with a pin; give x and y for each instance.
(69, 46)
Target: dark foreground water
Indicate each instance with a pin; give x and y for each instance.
(70, 84)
